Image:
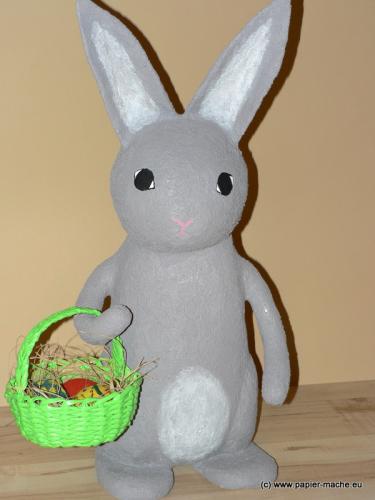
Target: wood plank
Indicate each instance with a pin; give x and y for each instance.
(326, 433)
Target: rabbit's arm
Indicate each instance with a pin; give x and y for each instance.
(102, 329)
(276, 372)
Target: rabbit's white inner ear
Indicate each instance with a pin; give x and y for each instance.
(223, 102)
(134, 104)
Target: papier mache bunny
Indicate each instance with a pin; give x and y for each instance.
(177, 285)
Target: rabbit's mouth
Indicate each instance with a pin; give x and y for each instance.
(183, 226)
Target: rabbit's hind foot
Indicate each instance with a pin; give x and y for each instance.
(129, 482)
(246, 468)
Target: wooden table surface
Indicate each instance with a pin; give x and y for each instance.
(326, 433)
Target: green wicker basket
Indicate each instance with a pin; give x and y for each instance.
(57, 422)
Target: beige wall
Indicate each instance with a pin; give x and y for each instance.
(312, 226)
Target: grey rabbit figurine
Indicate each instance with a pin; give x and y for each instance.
(177, 284)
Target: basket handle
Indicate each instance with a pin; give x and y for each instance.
(22, 369)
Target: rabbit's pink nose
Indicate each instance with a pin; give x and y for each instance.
(183, 225)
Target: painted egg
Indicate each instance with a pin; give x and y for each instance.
(52, 389)
(75, 385)
(95, 391)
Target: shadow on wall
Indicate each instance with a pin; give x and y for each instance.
(290, 55)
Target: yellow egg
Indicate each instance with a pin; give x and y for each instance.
(95, 391)
(52, 389)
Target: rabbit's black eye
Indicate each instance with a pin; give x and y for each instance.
(144, 179)
(224, 183)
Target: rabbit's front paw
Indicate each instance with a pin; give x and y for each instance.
(103, 328)
(275, 389)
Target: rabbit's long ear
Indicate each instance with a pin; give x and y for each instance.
(243, 74)
(131, 89)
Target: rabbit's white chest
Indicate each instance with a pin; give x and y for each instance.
(193, 416)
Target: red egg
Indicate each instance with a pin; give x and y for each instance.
(77, 384)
